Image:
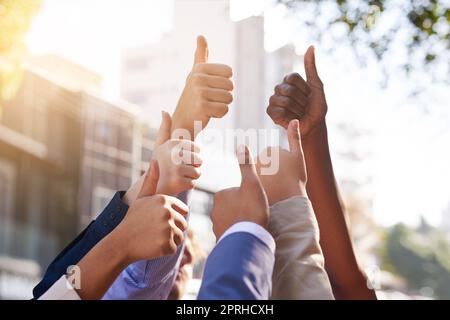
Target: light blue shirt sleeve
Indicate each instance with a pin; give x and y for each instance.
(148, 279)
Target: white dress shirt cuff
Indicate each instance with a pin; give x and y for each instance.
(60, 290)
(255, 230)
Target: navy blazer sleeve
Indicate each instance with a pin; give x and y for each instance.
(239, 268)
(110, 217)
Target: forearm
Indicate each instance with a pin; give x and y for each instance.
(299, 271)
(100, 267)
(346, 277)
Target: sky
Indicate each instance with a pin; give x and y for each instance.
(408, 144)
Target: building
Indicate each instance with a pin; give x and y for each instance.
(64, 151)
(52, 165)
(153, 75)
(40, 149)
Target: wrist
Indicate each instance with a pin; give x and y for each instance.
(117, 243)
(296, 188)
(315, 134)
(131, 194)
(180, 121)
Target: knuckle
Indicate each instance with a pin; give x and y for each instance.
(230, 85)
(172, 248)
(290, 78)
(160, 200)
(203, 104)
(202, 92)
(285, 102)
(222, 111)
(196, 79)
(229, 97)
(228, 71)
(199, 67)
(189, 184)
(272, 100)
(167, 214)
(290, 90)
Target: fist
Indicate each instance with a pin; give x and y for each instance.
(154, 224)
(290, 179)
(245, 203)
(207, 93)
(296, 98)
(179, 161)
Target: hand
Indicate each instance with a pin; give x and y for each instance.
(296, 99)
(207, 92)
(179, 161)
(245, 203)
(154, 224)
(175, 177)
(290, 179)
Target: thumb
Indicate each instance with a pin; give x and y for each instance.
(164, 129)
(246, 164)
(312, 76)
(150, 181)
(201, 53)
(294, 138)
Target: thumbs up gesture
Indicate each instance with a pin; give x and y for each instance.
(248, 202)
(179, 160)
(290, 178)
(179, 163)
(296, 98)
(207, 92)
(154, 224)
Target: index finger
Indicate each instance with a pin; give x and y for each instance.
(214, 69)
(179, 206)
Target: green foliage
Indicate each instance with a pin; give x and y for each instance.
(15, 20)
(422, 25)
(421, 256)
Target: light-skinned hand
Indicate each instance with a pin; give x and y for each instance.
(290, 179)
(248, 202)
(207, 93)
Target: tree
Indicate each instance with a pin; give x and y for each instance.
(421, 256)
(374, 27)
(15, 20)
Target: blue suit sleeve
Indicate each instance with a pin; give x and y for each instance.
(239, 268)
(148, 279)
(110, 217)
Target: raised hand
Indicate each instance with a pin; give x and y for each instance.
(154, 224)
(179, 161)
(245, 203)
(290, 179)
(207, 92)
(153, 227)
(175, 176)
(296, 98)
